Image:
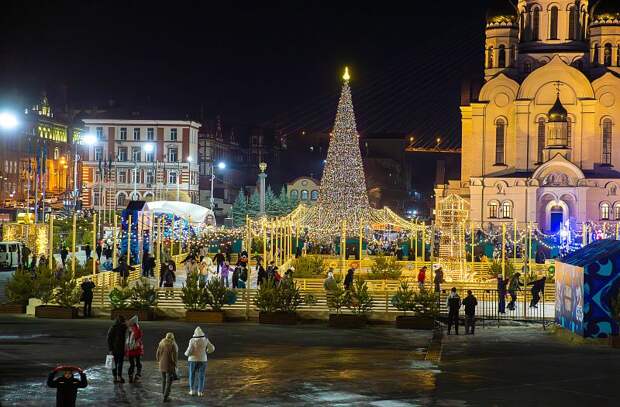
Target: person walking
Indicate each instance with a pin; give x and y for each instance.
(134, 349)
(66, 385)
(64, 253)
(88, 251)
(421, 277)
(198, 348)
(470, 302)
(538, 287)
(167, 356)
(438, 280)
(235, 277)
(224, 271)
(454, 305)
(116, 347)
(330, 284)
(261, 274)
(123, 268)
(348, 280)
(87, 296)
(514, 285)
(99, 250)
(168, 279)
(501, 292)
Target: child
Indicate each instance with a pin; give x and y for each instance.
(66, 385)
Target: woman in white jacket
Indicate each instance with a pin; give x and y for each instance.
(199, 346)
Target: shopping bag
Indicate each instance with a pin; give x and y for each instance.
(109, 362)
(210, 347)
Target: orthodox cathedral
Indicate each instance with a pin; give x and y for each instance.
(541, 139)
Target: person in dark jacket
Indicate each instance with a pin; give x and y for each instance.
(538, 287)
(123, 268)
(116, 347)
(235, 277)
(219, 260)
(262, 273)
(438, 279)
(66, 385)
(88, 251)
(64, 253)
(454, 305)
(501, 293)
(168, 278)
(514, 285)
(470, 302)
(348, 280)
(87, 296)
(99, 250)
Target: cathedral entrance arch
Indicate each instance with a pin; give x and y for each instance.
(556, 213)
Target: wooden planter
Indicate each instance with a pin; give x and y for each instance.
(413, 322)
(12, 308)
(614, 341)
(348, 321)
(277, 318)
(205, 317)
(143, 314)
(56, 311)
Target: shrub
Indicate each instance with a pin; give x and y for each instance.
(288, 296)
(119, 297)
(426, 304)
(385, 268)
(20, 287)
(266, 296)
(44, 284)
(67, 293)
(403, 300)
(143, 295)
(337, 298)
(309, 267)
(359, 299)
(495, 268)
(216, 294)
(193, 293)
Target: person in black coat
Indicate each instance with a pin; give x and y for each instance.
(99, 250)
(64, 253)
(87, 296)
(88, 251)
(538, 287)
(235, 277)
(123, 268)
(454, 305)
(116, 347)
(348, 280)
(262, 273)
(470, 302)
(66, 385)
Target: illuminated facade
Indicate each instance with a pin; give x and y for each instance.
(140, 159)
(304, 190)
(541, 139)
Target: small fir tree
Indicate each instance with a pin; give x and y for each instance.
(271, 203)
(240, 209)
(253, 205)
(283, 202)
(20, 287)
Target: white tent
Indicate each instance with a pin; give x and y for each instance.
(195, 213)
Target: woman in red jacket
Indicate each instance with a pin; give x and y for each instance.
(134, 348)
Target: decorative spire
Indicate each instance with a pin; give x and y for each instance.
(346, 75)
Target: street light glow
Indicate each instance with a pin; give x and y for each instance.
(8, 120)
(221, 165)
(189, 159)
(89, 139)
(149, 147)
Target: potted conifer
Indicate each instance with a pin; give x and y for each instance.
(198, 296)
(139, 300)
(359, 302)
(278, 303)
(19, 289)
(66, 295)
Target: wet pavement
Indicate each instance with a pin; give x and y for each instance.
(312, 365)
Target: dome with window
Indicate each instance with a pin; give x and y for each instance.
(558, 113)
(606, 11)
(502, 12)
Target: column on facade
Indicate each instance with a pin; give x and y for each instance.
(467, 141)
(522, 134)
(591, 150)
(478, 139)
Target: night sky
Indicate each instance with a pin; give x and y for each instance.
(252, 63)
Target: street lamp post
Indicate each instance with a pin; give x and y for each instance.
(88, 140)
(262, 176)
(221, 165)
(189, 178)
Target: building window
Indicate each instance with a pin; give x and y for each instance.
(136, 134)
(500, 141)
(150, 177)
(314, 195)
(507, 210)
(172, 155)
(135, 176)
(122, 177)
(553, 23)
(536, 25)
(98, 153)
(56, 153)
(493, 209)
(490, 58)
(607, 134)
(572, 23)
(604, 211)
(595, 55)
(121, 199)
(173, 134)
(135, 154)
(304, 195)
(617, 211)
(607, 55)
(294, 194)
(99, 133)
(541, 138)
(122, 154)
(123, 133)
(150, 134)
(150, 157)
(501, 59)
(96, 198)
(172, 177)
(569, 131)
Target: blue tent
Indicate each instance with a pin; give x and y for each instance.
(586, 281)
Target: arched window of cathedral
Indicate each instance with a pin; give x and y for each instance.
(604, 211)
(572, 23)
(541, 138)
(500, 141)
(595, 55)
(607, 55)
(536, 24)
(507, 210)
(493, 209)
(606, 129)
(553, 23)
(617, 211)
(501, 59)
(490, 58)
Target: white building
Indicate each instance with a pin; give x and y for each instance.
(135, 159)
(541, 141)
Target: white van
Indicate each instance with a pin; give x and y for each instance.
(10, 255)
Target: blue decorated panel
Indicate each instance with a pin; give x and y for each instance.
(569, 295)
(601, 284)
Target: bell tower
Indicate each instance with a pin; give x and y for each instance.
(556, 141)
(502, 38)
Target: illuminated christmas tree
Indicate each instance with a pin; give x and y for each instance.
(343, 195)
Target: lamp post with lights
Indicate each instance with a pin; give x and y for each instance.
(221, 165)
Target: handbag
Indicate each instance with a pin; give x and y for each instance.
(174, 375)
(109, 361)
